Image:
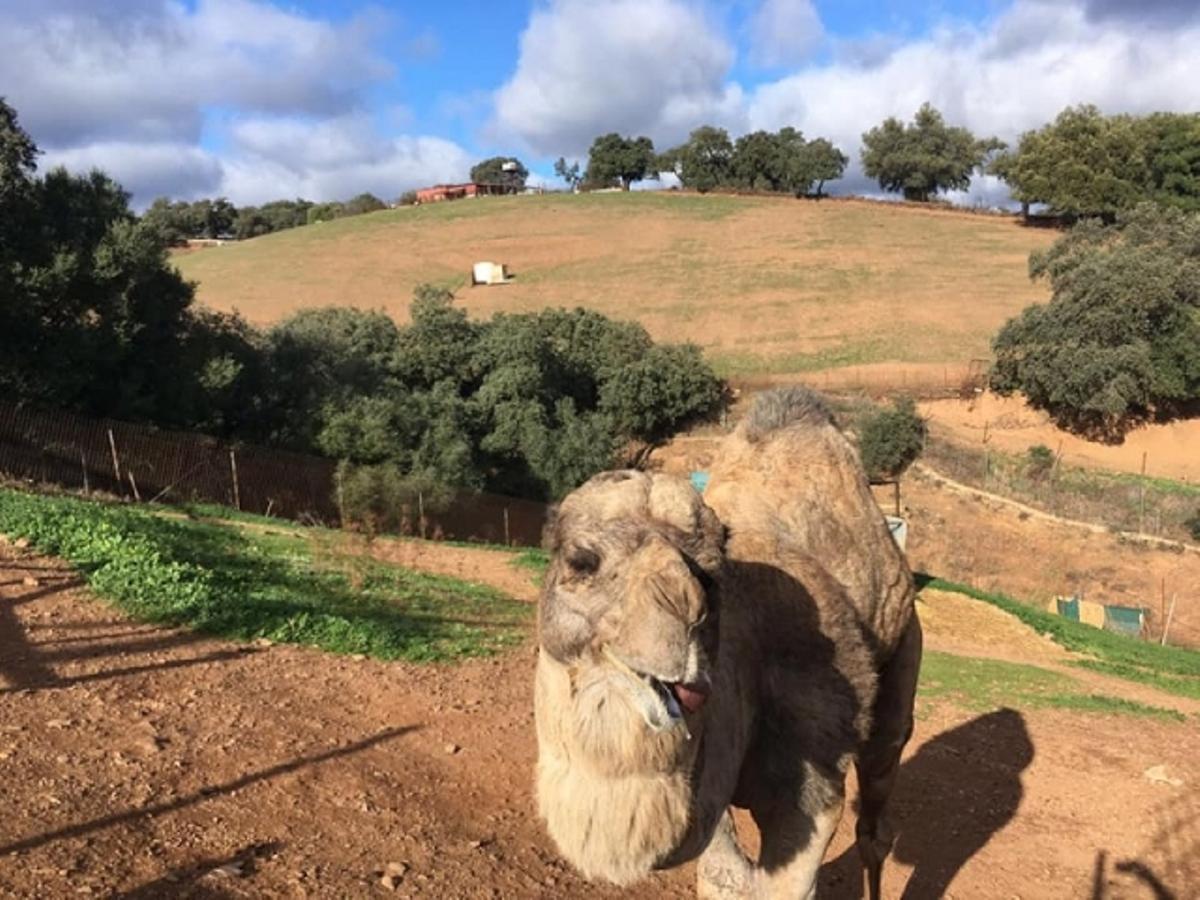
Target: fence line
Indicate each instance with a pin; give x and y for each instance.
(921, 382)
(141, 463)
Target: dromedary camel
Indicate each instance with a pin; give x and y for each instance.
(742, 652)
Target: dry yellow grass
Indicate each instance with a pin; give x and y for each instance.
(763, 284)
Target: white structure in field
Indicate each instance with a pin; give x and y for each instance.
(489, 273)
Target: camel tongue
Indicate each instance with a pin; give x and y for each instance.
(690, 696)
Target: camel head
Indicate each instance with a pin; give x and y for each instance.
(627, 633)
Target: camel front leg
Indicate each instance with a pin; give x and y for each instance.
(723, 872)
(793, 846)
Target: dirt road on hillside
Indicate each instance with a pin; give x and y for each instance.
(142, 762)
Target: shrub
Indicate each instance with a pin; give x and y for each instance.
(383, 498)
(408, 198)
(1193, 525)
(890, 440)
(1038, 462)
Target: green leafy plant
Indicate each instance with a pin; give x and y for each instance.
(1193, 525)
(225, 579)
(1039, 460)
(890, 440)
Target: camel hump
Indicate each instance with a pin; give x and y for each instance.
(782, 408)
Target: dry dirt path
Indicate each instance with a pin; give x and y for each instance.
(143, 762)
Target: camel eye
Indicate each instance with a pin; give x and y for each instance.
(583, 561)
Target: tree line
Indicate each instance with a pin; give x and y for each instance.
(1083, 164)
(179, 221)
(94, 319)
(782, 161)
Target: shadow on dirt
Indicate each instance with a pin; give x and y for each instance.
(29, 664)
(20, 662)
(202, 879)
(157, 809)
(960, 789)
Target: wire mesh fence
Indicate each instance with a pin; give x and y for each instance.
(145, 464)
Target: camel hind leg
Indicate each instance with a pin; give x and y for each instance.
(879, 759)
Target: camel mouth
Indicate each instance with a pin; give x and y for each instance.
(678, 696)
(663, 701)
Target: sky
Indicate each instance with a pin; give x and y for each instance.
(261, 99)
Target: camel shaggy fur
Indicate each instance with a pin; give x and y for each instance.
(737, 653)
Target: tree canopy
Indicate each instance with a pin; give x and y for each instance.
(780, 161)
(1119, 340)
(705, 161)
(924, 157)
(529, 404)
(568, 173)
(1085, 163)
(93, 316)
(890, 440)
(616, 161)
(503, 170)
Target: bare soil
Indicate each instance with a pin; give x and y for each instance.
(143, 762)
(1171, 450)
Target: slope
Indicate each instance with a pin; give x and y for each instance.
(763, 284)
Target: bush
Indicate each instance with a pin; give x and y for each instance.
(408, 198)
(890, 440)
(1119, 342)
(1039, 460)
(383, 498)
(1193, 526)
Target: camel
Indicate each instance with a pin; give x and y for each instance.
(737, 650)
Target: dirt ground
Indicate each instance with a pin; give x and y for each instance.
(143, 762)
(1171, 450)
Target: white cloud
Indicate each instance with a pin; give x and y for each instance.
(784, 32)
(1015, 73)
(155, 168)
(653, 67)
(333, 159)
(131, 87)
(148, 70)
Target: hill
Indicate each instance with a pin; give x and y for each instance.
(765, 285)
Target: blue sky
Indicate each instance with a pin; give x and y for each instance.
(257, 99)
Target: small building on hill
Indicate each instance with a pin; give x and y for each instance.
(440, 192)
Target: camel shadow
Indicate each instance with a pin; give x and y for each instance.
(958, 790)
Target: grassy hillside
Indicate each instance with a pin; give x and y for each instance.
(763, 284)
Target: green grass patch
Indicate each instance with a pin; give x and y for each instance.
(536, 561)
(1175, 670)
(985, 684)
(221, 579)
